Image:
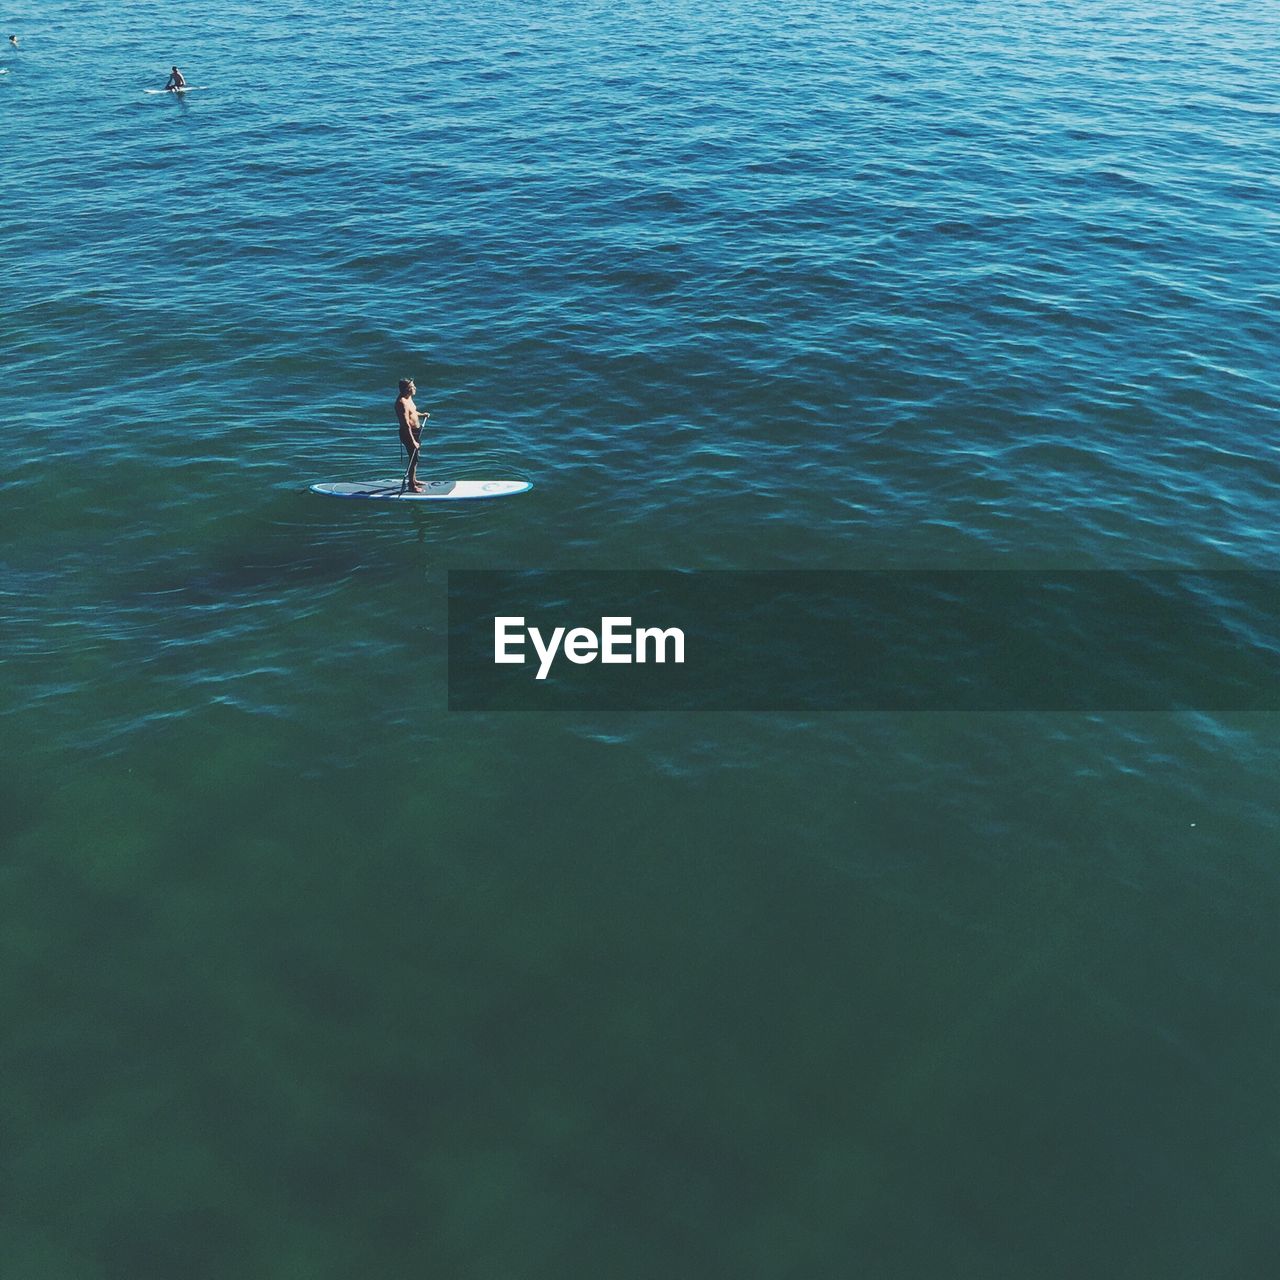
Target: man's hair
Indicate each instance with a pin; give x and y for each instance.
(405, 384)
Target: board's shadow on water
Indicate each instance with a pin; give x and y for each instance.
(283, 550)
(258, 574)
(306, 542)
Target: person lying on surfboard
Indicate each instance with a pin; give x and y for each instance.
(410, 420)
(176, 80)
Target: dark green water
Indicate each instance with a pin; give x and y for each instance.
(307, 976)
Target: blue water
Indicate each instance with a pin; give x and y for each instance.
(306, 976)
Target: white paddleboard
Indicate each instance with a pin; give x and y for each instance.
(187, 88)
(433, 490)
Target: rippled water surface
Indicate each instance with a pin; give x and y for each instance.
(306, 976)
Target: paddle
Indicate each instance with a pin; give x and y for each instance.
(413, 457)
(417, 448)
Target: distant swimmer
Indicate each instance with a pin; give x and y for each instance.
(410, 420)
(176, 80)
(13, 40)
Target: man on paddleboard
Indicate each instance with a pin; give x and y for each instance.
(176, 80)
(410, 420)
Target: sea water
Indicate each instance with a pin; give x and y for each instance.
(306, 975)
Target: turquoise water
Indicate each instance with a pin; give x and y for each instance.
(307, 976)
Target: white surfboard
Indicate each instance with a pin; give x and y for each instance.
(186, 88)
(433, 490)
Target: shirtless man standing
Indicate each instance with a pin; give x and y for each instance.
(410, 420)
